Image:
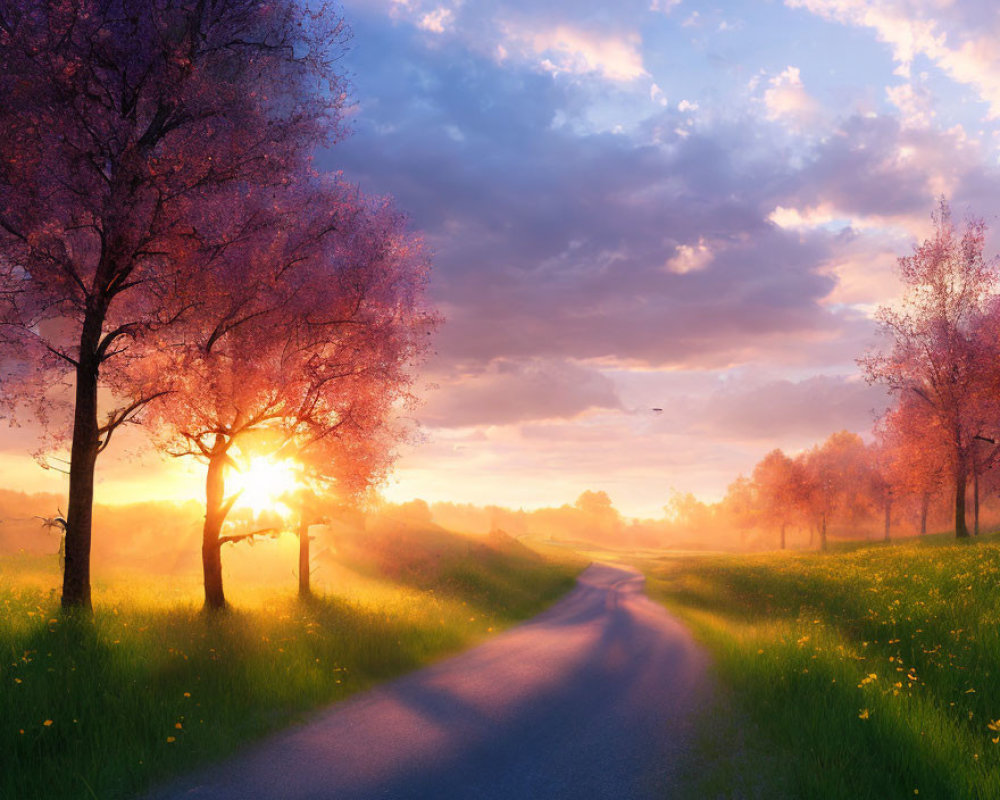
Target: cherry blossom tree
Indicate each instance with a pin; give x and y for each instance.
(836, 481)
(301, 339)
(779, 491)
(920, 452)
(888, 476)
(936, 357)
(126, 127)
(339, 468)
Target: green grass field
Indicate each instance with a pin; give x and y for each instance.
(872, 672)
(152, 686)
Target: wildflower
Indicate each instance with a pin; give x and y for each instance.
(994, 725)
(187, 694)
(171, 739)
(179, 726)
(864, 714)
(47, 723)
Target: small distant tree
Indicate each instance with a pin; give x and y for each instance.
(836, 479)
(739, 506)
(340, 467)
(599, 516)
(936, 359)
(888, 479)
(779, 490)
(688, 512)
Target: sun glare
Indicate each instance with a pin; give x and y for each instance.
(262, 484)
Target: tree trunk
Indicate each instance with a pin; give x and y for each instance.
(961, 531)
(305, 589)
(888, 516)
(975, 499)
(783, 525)
(822, 532)
(925, 504)
(215, 515)
(83, 461)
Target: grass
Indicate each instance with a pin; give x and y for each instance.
(151, 686)
(872, 672)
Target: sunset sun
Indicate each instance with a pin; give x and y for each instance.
(262, 483)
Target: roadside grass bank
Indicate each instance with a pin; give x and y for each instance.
(867, 672)
(152, 686)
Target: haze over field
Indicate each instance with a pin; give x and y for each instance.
(671, 205)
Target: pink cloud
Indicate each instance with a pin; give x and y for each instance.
(565, 48)
(788, 99)
(504, 392)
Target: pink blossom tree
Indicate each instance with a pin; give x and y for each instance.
(126, 127)
(339, 469)
(304, 339)
(937, 357)
(779, 490)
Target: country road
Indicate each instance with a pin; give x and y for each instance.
(591, 699)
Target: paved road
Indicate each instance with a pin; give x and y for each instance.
(591, 699)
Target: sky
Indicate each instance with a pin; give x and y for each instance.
(660, 204)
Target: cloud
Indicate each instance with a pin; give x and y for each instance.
(664, 6)
(552, 243)
(690, 258)
(865, 267)
(915, 104)
(792, 411)
(571, 49)
(505, 392)
(438, 20)
(873, 167)
(787, 99)
(966, 52)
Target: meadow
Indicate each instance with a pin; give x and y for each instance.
(872, 671)
(152, 686)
